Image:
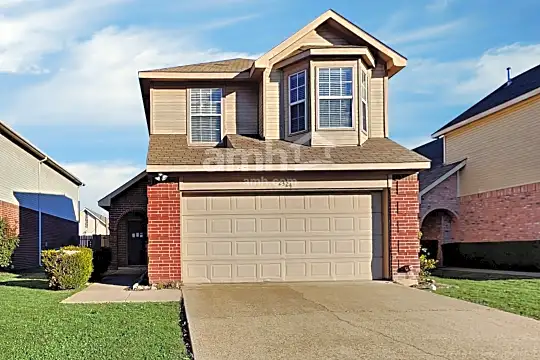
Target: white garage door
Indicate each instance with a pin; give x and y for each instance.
(281, 237)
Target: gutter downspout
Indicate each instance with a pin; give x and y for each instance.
(39, 208)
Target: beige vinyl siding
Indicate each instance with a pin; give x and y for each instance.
(19, 183)
(261, 109)
(304, 136)
(94, 227)
(502, 150)
(170, 107)
(376, 101)
(338, 137)
(241, 107)
(323, 35)
(272, 102)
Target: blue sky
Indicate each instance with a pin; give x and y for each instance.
(68, 68)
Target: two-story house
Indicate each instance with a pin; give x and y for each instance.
(274, 169)
(92, 223)
(480, 201)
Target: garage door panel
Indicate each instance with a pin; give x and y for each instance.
(289, 237)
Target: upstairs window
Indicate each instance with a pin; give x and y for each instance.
(335, 97)
(297, 102)
(205, 115)
(364, 95)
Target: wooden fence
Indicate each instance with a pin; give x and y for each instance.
(94, 241)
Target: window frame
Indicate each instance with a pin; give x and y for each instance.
(291, 104)
(364, 85)
(351, 97)
(191, 114)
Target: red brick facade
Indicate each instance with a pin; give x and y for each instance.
(56, 232)
(133, 201)
(404, 227)
(164, 232)
(511, 214)
(442, 196)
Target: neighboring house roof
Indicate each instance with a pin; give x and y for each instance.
(433, 150)
(26, 145)
(97, 216)
(105, 203)
(173, 149)
(232, 65)
(520, 87)
(428, 179)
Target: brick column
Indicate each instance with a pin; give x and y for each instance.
(404, 227)
(164, 233)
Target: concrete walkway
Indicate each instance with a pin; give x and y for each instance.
(114, 289)
(370, 320)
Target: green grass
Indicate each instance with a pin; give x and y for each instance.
(35, 325)
(516, 296)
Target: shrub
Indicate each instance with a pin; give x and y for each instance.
(102, 260)
(426, 264)
(68, 268)
(8, 243)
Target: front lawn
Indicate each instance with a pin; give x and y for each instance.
(35, 325)
(516, 296)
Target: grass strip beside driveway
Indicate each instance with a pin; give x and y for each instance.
(520, 297)
(35, 325)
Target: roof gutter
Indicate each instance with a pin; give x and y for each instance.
(493, 110)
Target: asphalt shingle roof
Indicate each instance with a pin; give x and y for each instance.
(433, 150)
(428, 177)
(173, 149)
(521, 84)
(232, 65)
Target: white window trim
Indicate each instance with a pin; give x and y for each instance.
(364, 100)
(191, 113)
(291, 104)
(319, 97)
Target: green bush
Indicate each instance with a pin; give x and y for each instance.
(426, 264)
(102, 261)
(68, 268)
(8, 243)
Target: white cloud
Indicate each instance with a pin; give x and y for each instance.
(101, 178)
(28, 35)
(438, 5)
(98, 81)
(13, 3)
(466, 81)
(425, 33)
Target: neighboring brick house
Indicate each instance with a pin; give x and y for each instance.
(483, 198)
(38, 197)
(276, 169)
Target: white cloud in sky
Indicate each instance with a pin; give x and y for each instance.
(438, 5)
(26, 36)
(424, 33)
(101, 178)
(98, 81)
(466, 81)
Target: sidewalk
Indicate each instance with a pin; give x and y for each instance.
(114, 289)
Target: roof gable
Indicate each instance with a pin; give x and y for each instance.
(520, 85)
(356, 35)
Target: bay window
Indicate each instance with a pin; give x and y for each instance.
(335, 87)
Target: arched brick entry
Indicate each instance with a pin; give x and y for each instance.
(129, 205)
(132, 238)
(438, 227)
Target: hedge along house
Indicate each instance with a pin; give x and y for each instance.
(278, 168)
(38, 197)
(481, 200)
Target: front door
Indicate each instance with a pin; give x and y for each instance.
(137, 243)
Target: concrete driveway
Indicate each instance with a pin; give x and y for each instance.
(371, 320)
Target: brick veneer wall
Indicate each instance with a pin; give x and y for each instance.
(55, 232)
(511, 214)
(404, 227)
(164, 232)
(442, 196)
(132, 200)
